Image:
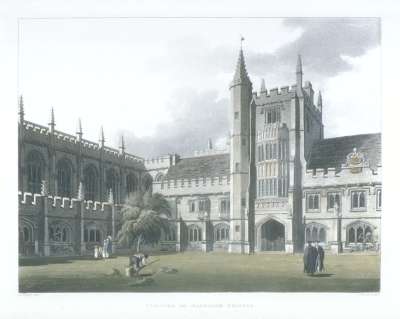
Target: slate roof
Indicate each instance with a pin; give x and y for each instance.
(201, 166)
(332, 152)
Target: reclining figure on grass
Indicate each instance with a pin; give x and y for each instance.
(136, 263)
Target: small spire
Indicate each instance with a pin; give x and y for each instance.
(241, 72)
(52, 122)
(101, 137)
(299, 77)
(210, 144)
(43, 189)
(299, 66)
(319, 102)
(81, 194)
(262, 87)
(21, 111)
(122, 145)
(79, 128)
(110, 196)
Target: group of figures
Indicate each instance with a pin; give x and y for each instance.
(313, 258)
(105, 251)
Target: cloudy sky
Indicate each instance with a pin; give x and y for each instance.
(163, 83)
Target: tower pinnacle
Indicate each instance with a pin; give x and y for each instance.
(52, 122)
(299, 66)
(21, 111)
(299, 76)
(240, 72)
(122, 145)
(101, 137)
(79, 129)
(262, 87)
(319, 102)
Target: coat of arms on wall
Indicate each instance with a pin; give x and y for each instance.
(355, 161)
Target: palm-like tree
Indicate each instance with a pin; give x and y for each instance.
(144, 217)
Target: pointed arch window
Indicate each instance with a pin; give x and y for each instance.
(131, 183)
(112, 182)
(221, 232)
(64, 178)
(35, 172)
(92, 234)
(360, 232)
(59, 233)
(194, 234)
(90, 182)
(316, 232)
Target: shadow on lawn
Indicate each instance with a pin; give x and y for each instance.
(322, 275)
(40, 261)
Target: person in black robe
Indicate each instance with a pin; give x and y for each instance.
(315, 257)
(309, 259)
(321, 256)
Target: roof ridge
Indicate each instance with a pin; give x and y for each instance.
(354, 135)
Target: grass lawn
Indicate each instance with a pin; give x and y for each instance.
(199, 272)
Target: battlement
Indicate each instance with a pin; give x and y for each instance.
(72, 142)
(164, 161)
(273, 92)
(332, 175)
(36, 128)
(190, 185)
(65, 137)
(90, 145)
(62, 203)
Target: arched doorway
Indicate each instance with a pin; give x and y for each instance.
(272, 236)
(26, 240)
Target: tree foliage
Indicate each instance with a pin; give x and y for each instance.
(144, 218)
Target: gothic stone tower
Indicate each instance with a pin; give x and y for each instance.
(287, 125)
(241, 95)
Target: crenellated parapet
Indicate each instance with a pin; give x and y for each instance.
(284, 91)
(161, 162)
(285, 94)
(340, 176)
(63, 206)
(170, 187)
(37, 133)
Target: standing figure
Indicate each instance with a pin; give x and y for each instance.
(315, 257)
(96, 251)
(109, 246)
(105, 244)
(308, 259)
(321, 256)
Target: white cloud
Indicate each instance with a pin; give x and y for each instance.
(352, 99)
(124, 73)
